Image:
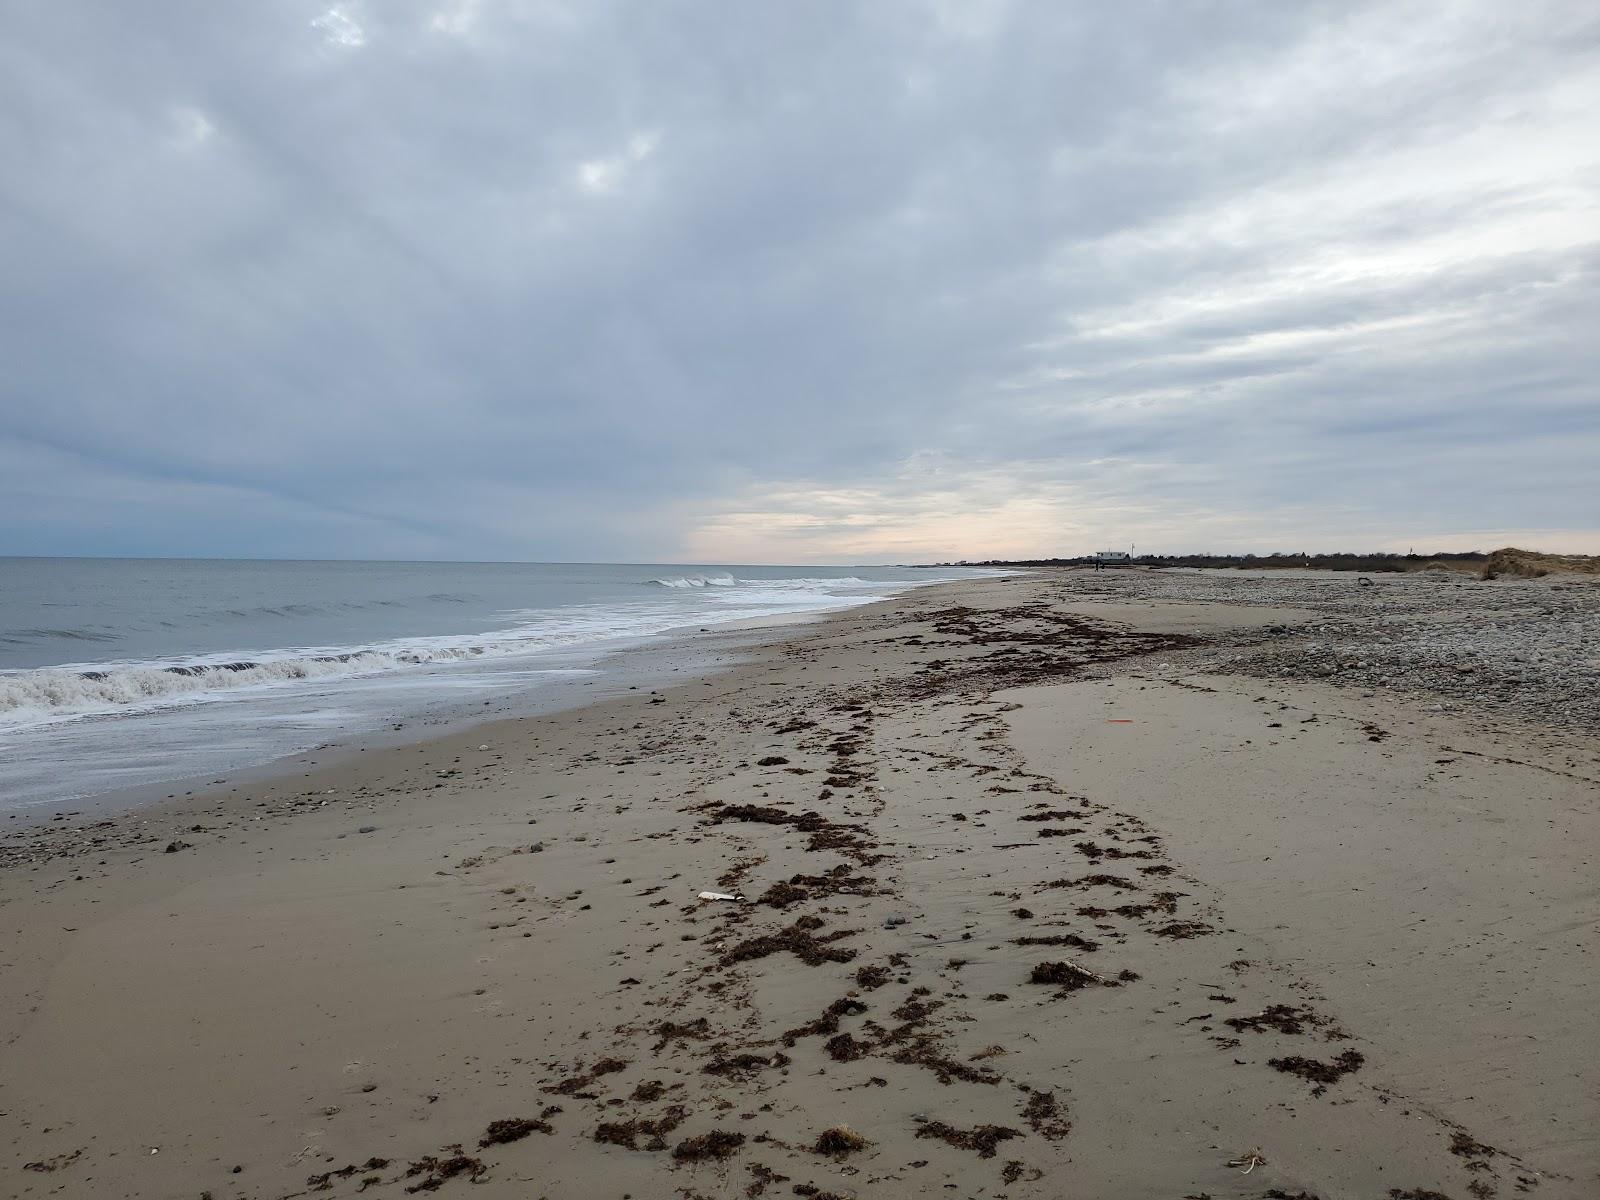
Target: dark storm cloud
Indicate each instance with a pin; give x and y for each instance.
(458, 279)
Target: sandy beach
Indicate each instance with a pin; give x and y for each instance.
(1119, 884)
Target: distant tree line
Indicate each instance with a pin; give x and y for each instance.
(1370, 563)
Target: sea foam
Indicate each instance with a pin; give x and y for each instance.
(51, 694)
(694, 581)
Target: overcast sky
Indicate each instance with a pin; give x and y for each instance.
(793, 282)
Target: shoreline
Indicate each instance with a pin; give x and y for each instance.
(626, 663)
(379, 958)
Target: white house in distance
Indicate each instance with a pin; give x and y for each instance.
(1112, 558)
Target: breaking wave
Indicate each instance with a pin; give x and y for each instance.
(821, 581)
(695, 581)
(50, 694)
(799, 583)
(119, 687)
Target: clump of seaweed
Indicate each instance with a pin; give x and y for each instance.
(436, 1170)
(827, 1022)
(916, 1009)
(1318, 1072)
(782, 894)
(769, 815)
(1184, 929)
(1068, 976)
(512, 1129)
(1282, 1017)
(799, 940)
(1045, 1117)
(923, 1052)
(834, 882)
(575, 1085)
(1058, 939)
(871, 978)
(719, 1143)
(825, 834)
(668, 1032)
(839, 1141)
(744, 1064)
(317, 1183)
(1464, 1145)
(1111, 881)
(843, 1047)
(982, 1138)
(653, 1130)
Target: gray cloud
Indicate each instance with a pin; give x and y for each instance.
(517, 279)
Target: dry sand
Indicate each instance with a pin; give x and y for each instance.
(1288, 940)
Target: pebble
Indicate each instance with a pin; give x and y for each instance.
(1522, 648)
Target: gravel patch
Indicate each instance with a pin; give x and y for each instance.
(1528, 649)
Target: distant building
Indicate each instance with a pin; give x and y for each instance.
(1111, 558)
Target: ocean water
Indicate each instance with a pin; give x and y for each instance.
(123, 673)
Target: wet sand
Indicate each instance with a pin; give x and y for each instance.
(1035, 903)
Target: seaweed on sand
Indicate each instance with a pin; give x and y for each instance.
(744, 1064)
(839, 1141)
(654, 1130)
(843, 1047)
(680, 1032)
(1284, 1018)
(1058, 939)
(1045, 1116)
(575, 1085)
(923, 1052)
(799, 940)
(717, 1144)
(1100, 880)
(436, 1170)
(317, 1183)
(512, 1129)
(872, 977)
(982, 1138)
(1318, 1072)
(828, 1021)
(1181, 930)
(1068, 976)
